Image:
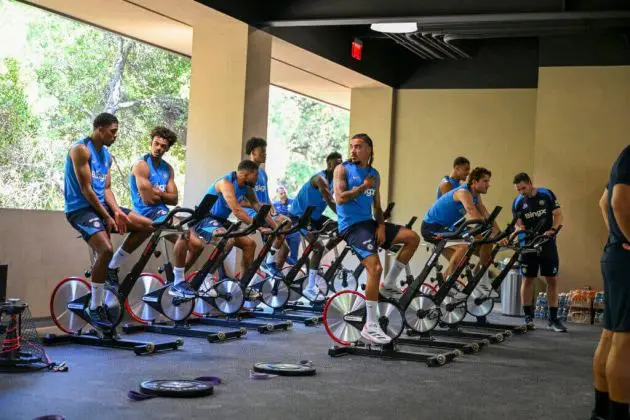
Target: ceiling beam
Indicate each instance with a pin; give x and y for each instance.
(445, 20)
(361, 12)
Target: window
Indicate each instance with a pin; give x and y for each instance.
(56, 75)
(301, 133)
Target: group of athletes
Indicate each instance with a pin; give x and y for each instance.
(351, 189)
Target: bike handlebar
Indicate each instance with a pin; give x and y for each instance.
(258, 221)
(482, 224)
(195, 215)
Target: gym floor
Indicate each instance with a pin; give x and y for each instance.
(537, 375)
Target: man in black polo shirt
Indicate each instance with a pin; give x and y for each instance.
(539, 204)
(611, 362)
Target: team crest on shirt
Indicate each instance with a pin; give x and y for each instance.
(524, 205)
(541, 202)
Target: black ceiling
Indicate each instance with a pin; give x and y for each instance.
(448, 30)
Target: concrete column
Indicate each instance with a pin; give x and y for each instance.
(229, 95)
(371, 112)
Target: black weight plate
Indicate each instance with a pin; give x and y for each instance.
(177, 388)
(284, 369)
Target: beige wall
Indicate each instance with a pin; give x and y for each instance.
(582, 125)
(493, 128)
(229, 96)
(372, 113)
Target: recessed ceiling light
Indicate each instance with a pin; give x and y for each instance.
(395, 28)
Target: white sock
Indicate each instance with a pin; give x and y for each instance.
(370, 310)
(312, 277)
(118, 259)
(271, 254)
(179, 274)
(390, 280)
(98, 292)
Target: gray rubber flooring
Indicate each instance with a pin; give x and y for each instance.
(538, 375)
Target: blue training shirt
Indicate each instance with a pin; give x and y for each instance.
(446, 211)
(283, 209)
(359, 209)
(261, 190)
(310, 196)
(220, 209)
(454, 184)
(158, 177)
(99, 165)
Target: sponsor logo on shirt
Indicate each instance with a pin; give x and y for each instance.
(371, 192)
(536, 213)
(260, 188)
(98, 176)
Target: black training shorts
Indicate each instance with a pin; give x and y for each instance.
(615, 264)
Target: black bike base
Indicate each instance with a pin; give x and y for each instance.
(91, 339)
(315, 308)
(308, 319)
(493, 337)
(244, 319)
(427, 340)
(483, 323)
(389, 352)
(184, 330)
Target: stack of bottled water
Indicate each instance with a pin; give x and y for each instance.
(541, 311)
(542, 307)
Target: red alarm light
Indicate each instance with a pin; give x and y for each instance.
(357, 49)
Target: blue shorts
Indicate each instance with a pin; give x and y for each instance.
(87, 221)
(157, 214)
(362, 237)
(429, 232)
(206, 227)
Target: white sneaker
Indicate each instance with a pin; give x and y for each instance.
(313, 294)
(373, 333)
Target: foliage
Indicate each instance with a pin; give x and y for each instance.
(67, 72)
(77, 71)
(308, 131)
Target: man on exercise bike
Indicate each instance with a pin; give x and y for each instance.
(256, 148)
(317, 191)
(357, 192)
(459, 173)
(92, 210)
(232, 189)
(451, 207)
(152, 186)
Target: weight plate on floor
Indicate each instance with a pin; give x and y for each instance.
(284, 369)
(177, 388)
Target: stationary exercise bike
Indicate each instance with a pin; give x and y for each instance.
(480, 303)
(276, 293)
(72, 295)
(229, 300)
(344, 314)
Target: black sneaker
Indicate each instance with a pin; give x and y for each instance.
(556, 325)
(99, 318)
(112, 283)
(529, 322)
(182, 290)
